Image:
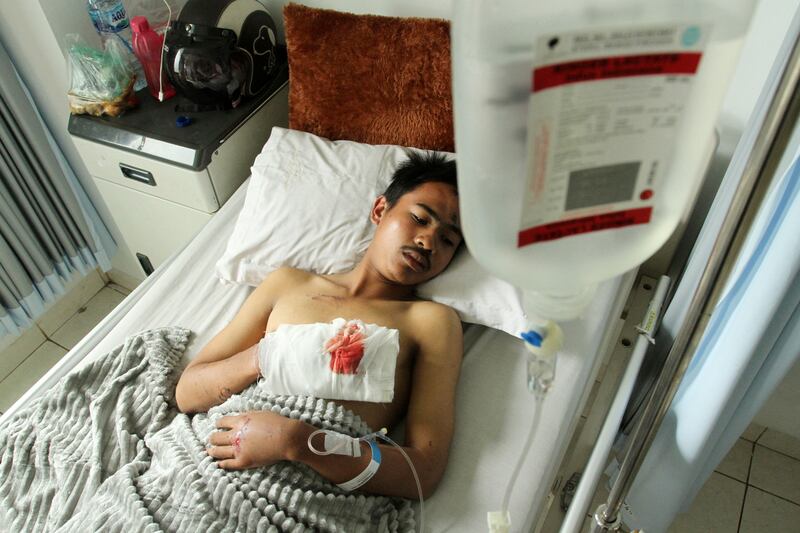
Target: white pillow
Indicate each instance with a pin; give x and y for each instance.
(307, 206)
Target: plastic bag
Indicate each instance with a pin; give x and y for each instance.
(101, 82)
(156, 11)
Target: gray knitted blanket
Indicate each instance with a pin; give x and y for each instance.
(106, 450)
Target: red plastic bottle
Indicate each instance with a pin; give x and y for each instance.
(147, 46)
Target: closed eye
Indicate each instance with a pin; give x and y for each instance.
(418, 220)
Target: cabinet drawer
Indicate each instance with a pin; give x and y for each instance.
(179, 185)
(151, 226)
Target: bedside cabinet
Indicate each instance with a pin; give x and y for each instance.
(162, 183)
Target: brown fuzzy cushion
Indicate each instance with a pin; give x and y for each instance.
(368, 78)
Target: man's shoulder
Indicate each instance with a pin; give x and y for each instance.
(427, 314)
(436, 329)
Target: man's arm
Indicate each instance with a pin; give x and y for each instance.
(228, 363)
(429, 422)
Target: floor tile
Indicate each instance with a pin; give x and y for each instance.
(752, 432)
(79, 291)
(780, 442)
(765, 513)
(82, 322)
(716, 508)
(16, 352)
(776, 473)
(737, 463)
(26, 374)
(123, 279)
(119, 288)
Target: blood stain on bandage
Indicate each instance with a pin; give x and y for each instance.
(346, 348)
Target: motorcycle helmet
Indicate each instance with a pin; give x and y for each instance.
(220, 51)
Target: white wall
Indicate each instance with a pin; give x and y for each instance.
(393, 8)
(768, 28)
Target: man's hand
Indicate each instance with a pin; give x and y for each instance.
(252, 439)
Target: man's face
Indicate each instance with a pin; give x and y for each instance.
(416, 237)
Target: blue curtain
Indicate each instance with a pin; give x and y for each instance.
(751, 342)
(49, 230)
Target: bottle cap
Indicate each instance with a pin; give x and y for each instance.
(183, 121)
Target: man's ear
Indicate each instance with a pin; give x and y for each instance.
(379, 207)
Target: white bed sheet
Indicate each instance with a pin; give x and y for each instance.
(493, 405)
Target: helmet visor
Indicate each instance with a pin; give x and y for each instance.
(204, 68)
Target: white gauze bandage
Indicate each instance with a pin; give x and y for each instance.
(342, 360)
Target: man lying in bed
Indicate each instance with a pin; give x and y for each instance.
(417, 233)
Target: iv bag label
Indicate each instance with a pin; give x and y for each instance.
(604, 112)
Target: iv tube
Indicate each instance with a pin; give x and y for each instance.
(161, 67)
(537, 415)
(542, 341)
(500, 522)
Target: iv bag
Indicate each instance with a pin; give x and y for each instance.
(582, 128)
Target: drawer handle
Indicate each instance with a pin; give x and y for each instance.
(137, 174)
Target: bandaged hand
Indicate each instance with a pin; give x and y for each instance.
(250, 440)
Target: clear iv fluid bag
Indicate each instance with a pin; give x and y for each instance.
(581, 132)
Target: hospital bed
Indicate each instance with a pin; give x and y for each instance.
(493, 407)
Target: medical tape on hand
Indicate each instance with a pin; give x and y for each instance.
(336, 444)
(367, 473)
(340, 444)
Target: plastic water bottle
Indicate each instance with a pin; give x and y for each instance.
(582, 127)
(148, 46)
(110, 20)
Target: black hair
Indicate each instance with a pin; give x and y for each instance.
(419, 168)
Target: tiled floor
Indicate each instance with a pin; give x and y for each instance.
(50, 341)
(755, 489)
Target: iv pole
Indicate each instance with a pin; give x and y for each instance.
(775, 128)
